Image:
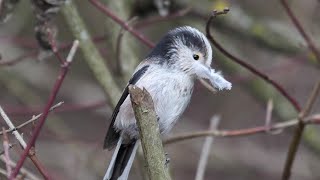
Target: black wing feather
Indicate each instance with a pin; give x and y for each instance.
(112, 136)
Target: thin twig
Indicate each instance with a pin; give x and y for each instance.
(53, 94)
(14, 130)
(214, 121)
(23, 171)
(301, 30)
(23, 144)
(314, 119)
(269, 112)
(54, 46)
(34, 118)
(6, 152)
(269, 116)
(298, 132)
(105, 10)
(246, 65)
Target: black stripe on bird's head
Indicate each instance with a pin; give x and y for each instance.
(181, 40)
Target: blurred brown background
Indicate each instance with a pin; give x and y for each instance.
(70, 144)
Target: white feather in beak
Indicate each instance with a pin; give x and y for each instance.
(215, 78)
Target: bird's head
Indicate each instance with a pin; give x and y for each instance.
(188, 50)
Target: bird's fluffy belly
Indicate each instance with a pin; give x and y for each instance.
(171, 94)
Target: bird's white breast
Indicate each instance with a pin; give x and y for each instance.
(171, 92)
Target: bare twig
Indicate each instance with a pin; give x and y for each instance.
(298, 133)
(34, 118)
(54, 46)
(11, 126)
(6, 151)
(269, 116)
(23, 144)
(214, 121)
(23, 171)
(57, 85)
(105, 10)
(246, 65)
(315, 119)
(301, 30)
(269, 112)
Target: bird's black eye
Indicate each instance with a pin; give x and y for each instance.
(195, 56)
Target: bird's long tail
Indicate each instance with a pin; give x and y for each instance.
(121, 161)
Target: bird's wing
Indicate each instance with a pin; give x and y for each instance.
(112, 135)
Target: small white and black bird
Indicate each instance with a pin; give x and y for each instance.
(168, 73)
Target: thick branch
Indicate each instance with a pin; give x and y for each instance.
(149, 133)
(90, 53)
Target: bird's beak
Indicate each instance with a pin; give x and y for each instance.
(215, 78)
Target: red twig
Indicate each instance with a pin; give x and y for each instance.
(246, 65)
(299, 27)
(242, 132)
(54, 47)
(298, 132)
(37, 163)
(110, 14)
(57, 85)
